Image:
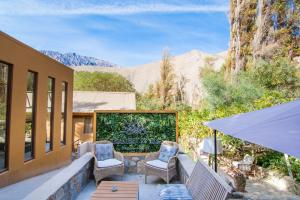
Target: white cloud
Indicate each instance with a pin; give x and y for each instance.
(33, 7)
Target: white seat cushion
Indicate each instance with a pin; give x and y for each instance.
(108, 163)
(158, 164)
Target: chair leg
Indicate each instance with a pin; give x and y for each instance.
(145, 179)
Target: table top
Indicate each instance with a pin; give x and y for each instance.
(126, 191)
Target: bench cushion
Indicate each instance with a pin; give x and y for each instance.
(158, 164)
(166, 152)
(104, 151)
(108, 163)
(175, 192)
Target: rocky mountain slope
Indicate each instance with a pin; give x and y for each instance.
(73, 59)
(263, 29)
(187, 65)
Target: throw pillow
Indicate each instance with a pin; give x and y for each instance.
(176, 191)
(166, 152)
(104, 151)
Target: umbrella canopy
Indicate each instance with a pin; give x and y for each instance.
(277, 127)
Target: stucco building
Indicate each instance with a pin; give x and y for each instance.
(35, 112)
(86, 102)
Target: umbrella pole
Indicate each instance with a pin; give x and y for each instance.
(215, 145)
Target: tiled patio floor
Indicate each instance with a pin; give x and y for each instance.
(150, 191)
(147, 191)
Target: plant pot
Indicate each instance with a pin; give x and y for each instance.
(297, 189)
(239, 182)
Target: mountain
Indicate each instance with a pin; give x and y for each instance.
(73, 59)
(187, 65)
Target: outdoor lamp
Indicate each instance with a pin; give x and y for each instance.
(208, 146)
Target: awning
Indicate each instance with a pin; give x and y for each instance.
(277, 127)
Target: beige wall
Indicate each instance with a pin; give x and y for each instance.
(23, 58)
(88, 101)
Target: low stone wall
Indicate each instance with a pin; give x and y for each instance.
(68, 183)
(134, 164)
(185, 166)
(75, 185)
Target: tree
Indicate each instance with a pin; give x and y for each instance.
(166, 83)
(180, 89)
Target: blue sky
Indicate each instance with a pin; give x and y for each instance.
(127, 32)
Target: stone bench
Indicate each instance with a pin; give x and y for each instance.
(67, 183)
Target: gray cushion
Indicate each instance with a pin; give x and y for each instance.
(175, 192)
(108, 163)
(158, 164)
(166, 152)
(104, 151)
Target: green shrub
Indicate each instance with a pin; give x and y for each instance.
(145, 102)
(279, 74)
(102, 81)
(272, 160)
(240, 91)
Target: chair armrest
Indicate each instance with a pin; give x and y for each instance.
(152, 156)
(119, 156)
(172, 161)
(95, 162)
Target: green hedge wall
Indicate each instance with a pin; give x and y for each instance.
(136, 132)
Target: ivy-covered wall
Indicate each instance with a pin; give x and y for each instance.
(136, 132)
(264, 29)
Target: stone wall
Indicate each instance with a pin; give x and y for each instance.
(68, 183)
(185, 166)
(75, 185)
(134, 164)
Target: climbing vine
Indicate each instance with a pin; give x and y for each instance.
(263, 29)
(136, 132)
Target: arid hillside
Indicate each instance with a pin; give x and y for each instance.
(187, 65)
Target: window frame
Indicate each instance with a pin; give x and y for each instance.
(34, 108)
(52, 113)
(8, 115)
(64, 141)
(85, 125)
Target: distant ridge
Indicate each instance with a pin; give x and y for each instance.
(73, 59)
(187, 65)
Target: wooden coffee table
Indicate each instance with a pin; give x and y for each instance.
(126, 191)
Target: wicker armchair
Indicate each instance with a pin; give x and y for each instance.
(103, 172)
(166, 172)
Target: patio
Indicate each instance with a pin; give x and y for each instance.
(147, 191)
(150, 191)
(81, 189)
(77, 180)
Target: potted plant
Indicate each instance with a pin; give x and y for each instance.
(297, 187)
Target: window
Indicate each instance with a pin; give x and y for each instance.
(63, 113)
(88, 125)
(4, 113)
(30, 115)
(50, 114)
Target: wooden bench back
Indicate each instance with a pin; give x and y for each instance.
(205, 184)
